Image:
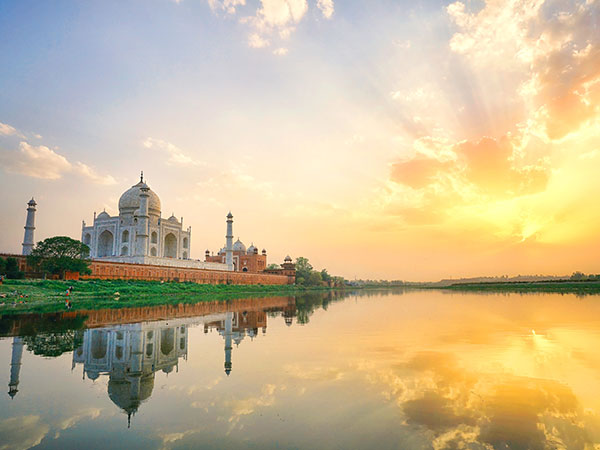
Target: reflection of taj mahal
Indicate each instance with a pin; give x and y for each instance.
(131, 354)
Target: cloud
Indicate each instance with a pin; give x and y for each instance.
(255, 40)
(235, 181)
(555, 46)
(280, 51)
(44, 163)
(274, 20)
(176, 156)
(7, 130)
(22, 432)
(326, 7)
(229, 6)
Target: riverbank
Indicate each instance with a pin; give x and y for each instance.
(559, 286)
(19, 296)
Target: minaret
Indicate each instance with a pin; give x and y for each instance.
(229, 242)
(29, 227)
(228, 345)
(141, 239)
(15, 366)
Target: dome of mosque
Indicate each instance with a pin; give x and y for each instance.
(239, 246)
(130, 200)
(252, 249)
(173, 219)
(122, 395)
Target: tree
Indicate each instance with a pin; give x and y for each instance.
(2, 266)
(12, 268)
(578, 276)
(53, 344)
(60, 254)
(273, 266)
(325, 276)
(314, 279)
(303, 270)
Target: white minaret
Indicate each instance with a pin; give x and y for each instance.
(141, 239)
(229, 242)
(15, 366)
(228, 343)
(29, 227)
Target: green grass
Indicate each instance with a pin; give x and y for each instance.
(49, 295)
(559, 286)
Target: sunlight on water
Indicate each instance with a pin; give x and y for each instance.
(414, 369)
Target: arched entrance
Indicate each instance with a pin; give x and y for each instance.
(167, 336)
(105, 243)
(170, 250)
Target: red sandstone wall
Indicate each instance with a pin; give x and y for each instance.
(106, 270)
(105, 317)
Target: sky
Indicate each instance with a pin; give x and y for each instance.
(384, 139)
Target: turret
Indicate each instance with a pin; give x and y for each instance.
(143, 219)
(28, 239)
(229, 242)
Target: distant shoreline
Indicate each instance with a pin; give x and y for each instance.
(551, 286)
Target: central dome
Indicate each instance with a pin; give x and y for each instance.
(130, 200)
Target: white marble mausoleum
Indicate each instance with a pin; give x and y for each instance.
(140, 235)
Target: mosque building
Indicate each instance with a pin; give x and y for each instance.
(243, 259)
(140, 244)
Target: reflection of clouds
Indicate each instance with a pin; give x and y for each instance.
(69, 422)
(247, 405)
(170, 438)
(314, 373)
(465, 409)
(22, 432)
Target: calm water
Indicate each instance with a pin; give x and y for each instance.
(414, 370)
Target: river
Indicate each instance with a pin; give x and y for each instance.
(379, 369)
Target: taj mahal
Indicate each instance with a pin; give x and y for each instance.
(140, 235)
(139, 243)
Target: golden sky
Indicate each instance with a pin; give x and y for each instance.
(390, 140)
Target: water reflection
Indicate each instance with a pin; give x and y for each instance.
(417, 370)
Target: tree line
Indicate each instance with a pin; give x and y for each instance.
(306, 275)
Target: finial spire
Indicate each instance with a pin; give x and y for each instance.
(142, 177)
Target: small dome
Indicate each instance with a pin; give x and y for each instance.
(103, 216)
(223, 251)
(130, 200)
(173, 219)
(239, 246)
(252, 249)
(288, 259)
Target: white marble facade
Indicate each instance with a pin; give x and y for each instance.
(140, 235)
